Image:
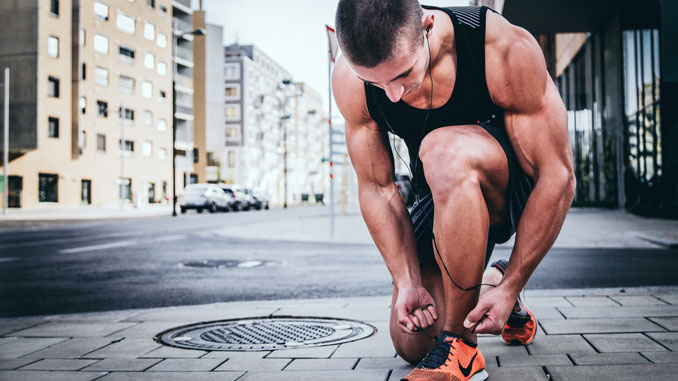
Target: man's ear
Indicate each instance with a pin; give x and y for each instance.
(427, 22)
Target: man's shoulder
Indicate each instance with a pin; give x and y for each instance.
(349, 92)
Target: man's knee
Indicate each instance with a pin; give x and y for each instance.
(409, 347)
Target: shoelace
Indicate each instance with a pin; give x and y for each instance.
(438, 355)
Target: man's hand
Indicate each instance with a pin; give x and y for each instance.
(415, 308)
(491, 312)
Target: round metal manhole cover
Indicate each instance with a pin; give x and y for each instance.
(223, 264)
(265, 334)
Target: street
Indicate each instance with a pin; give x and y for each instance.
(68, 267)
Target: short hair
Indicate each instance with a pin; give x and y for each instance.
(368, 30)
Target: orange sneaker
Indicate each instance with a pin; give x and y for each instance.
(451, 359)
(521, 327)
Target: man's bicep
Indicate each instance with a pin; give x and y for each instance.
(370, 154)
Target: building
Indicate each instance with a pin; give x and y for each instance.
(275, 130)
(215, 120)
(90, 101)
(616, 68)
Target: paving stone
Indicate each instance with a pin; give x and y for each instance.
(542, 313)
(613, 372)
(534, 360)
(626, 342)
(619, 312)
(322, 364)
(186, 365)
(672, 299)
(595, 301)
(122, 365)
(637, 300)
(10, 364)
(547, 301)
(662, 357)
(399, 374)
(574, 326)
(362, 314)
(495, 346)
(383, 363)
(254, 364)
(236, 355)
(9, 326)
(59, 364)
(70, 349)
(608, 358)
(149, 329)
(172, 376)
(58, 329)
(188, 315)
(670, 323)
(35, 375)
(23, 346)
(316, 352)
(522, 373)
(171, 352)
(318, 375)
(668, 339)
(126, 348)
(366, 348)
(560, 344)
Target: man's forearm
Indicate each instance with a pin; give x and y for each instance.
(389, 224)
(538, 228)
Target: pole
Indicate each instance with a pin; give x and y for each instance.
(5, 151)
(284, 127)
(174, 122)
(329, 87)
(123, 147)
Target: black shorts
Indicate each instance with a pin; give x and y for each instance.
(519, 188)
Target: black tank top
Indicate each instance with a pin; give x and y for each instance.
(470, 102)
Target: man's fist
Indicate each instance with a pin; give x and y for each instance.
(414, 308)
(491, 312)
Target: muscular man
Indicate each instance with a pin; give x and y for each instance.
(487, 135)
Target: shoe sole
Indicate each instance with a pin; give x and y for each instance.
(480, 376)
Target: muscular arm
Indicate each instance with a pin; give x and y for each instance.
(536, 122)
(381, 204)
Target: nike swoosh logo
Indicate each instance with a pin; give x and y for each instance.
(467, 370)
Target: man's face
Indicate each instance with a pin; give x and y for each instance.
(401, 75)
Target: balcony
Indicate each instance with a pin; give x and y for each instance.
(184, 81)
(184, 53)
(182, 26)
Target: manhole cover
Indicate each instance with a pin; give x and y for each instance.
(222, 264)
(265, 334)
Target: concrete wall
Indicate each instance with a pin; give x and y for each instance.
(199, 110)
(214, 90)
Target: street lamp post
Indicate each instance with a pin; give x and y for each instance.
(175, 35)
(5, 153)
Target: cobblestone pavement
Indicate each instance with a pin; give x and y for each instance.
(598, 334)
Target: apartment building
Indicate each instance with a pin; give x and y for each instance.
(91, 106)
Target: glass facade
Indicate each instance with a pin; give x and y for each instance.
(642, 123)
(581, 86)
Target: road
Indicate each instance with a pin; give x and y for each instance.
(66, 267)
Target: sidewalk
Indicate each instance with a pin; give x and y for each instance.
(58, 213)
(584, 335)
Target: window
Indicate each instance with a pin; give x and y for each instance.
(231, 159)
(163, 94)
(162, 154)
(147, 148)
(146, 89)
(101, 44)
(101, 10)
(162, 68)
(101, 76)
(148, 118)
(83, 105)
(53, 46)
(86, 191)
(82, 37)
(102, 109)
(232, 91)
(162, 125)
(83, 71)
(127, 146)
(48, 186)
(125, 53)
(53, 127)
(149, 31)
(54, 7)
(126, 84)
(149, 60)
(101, 142)
(53, 87)
(82, 141)
(232, 71)
(163, 8)
(125, 23)
(150, 3)
(125, 189)
(127, 113)
(232, 112)
(196, 158)
(162, 40)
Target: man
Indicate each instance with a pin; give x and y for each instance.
(489, 153)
